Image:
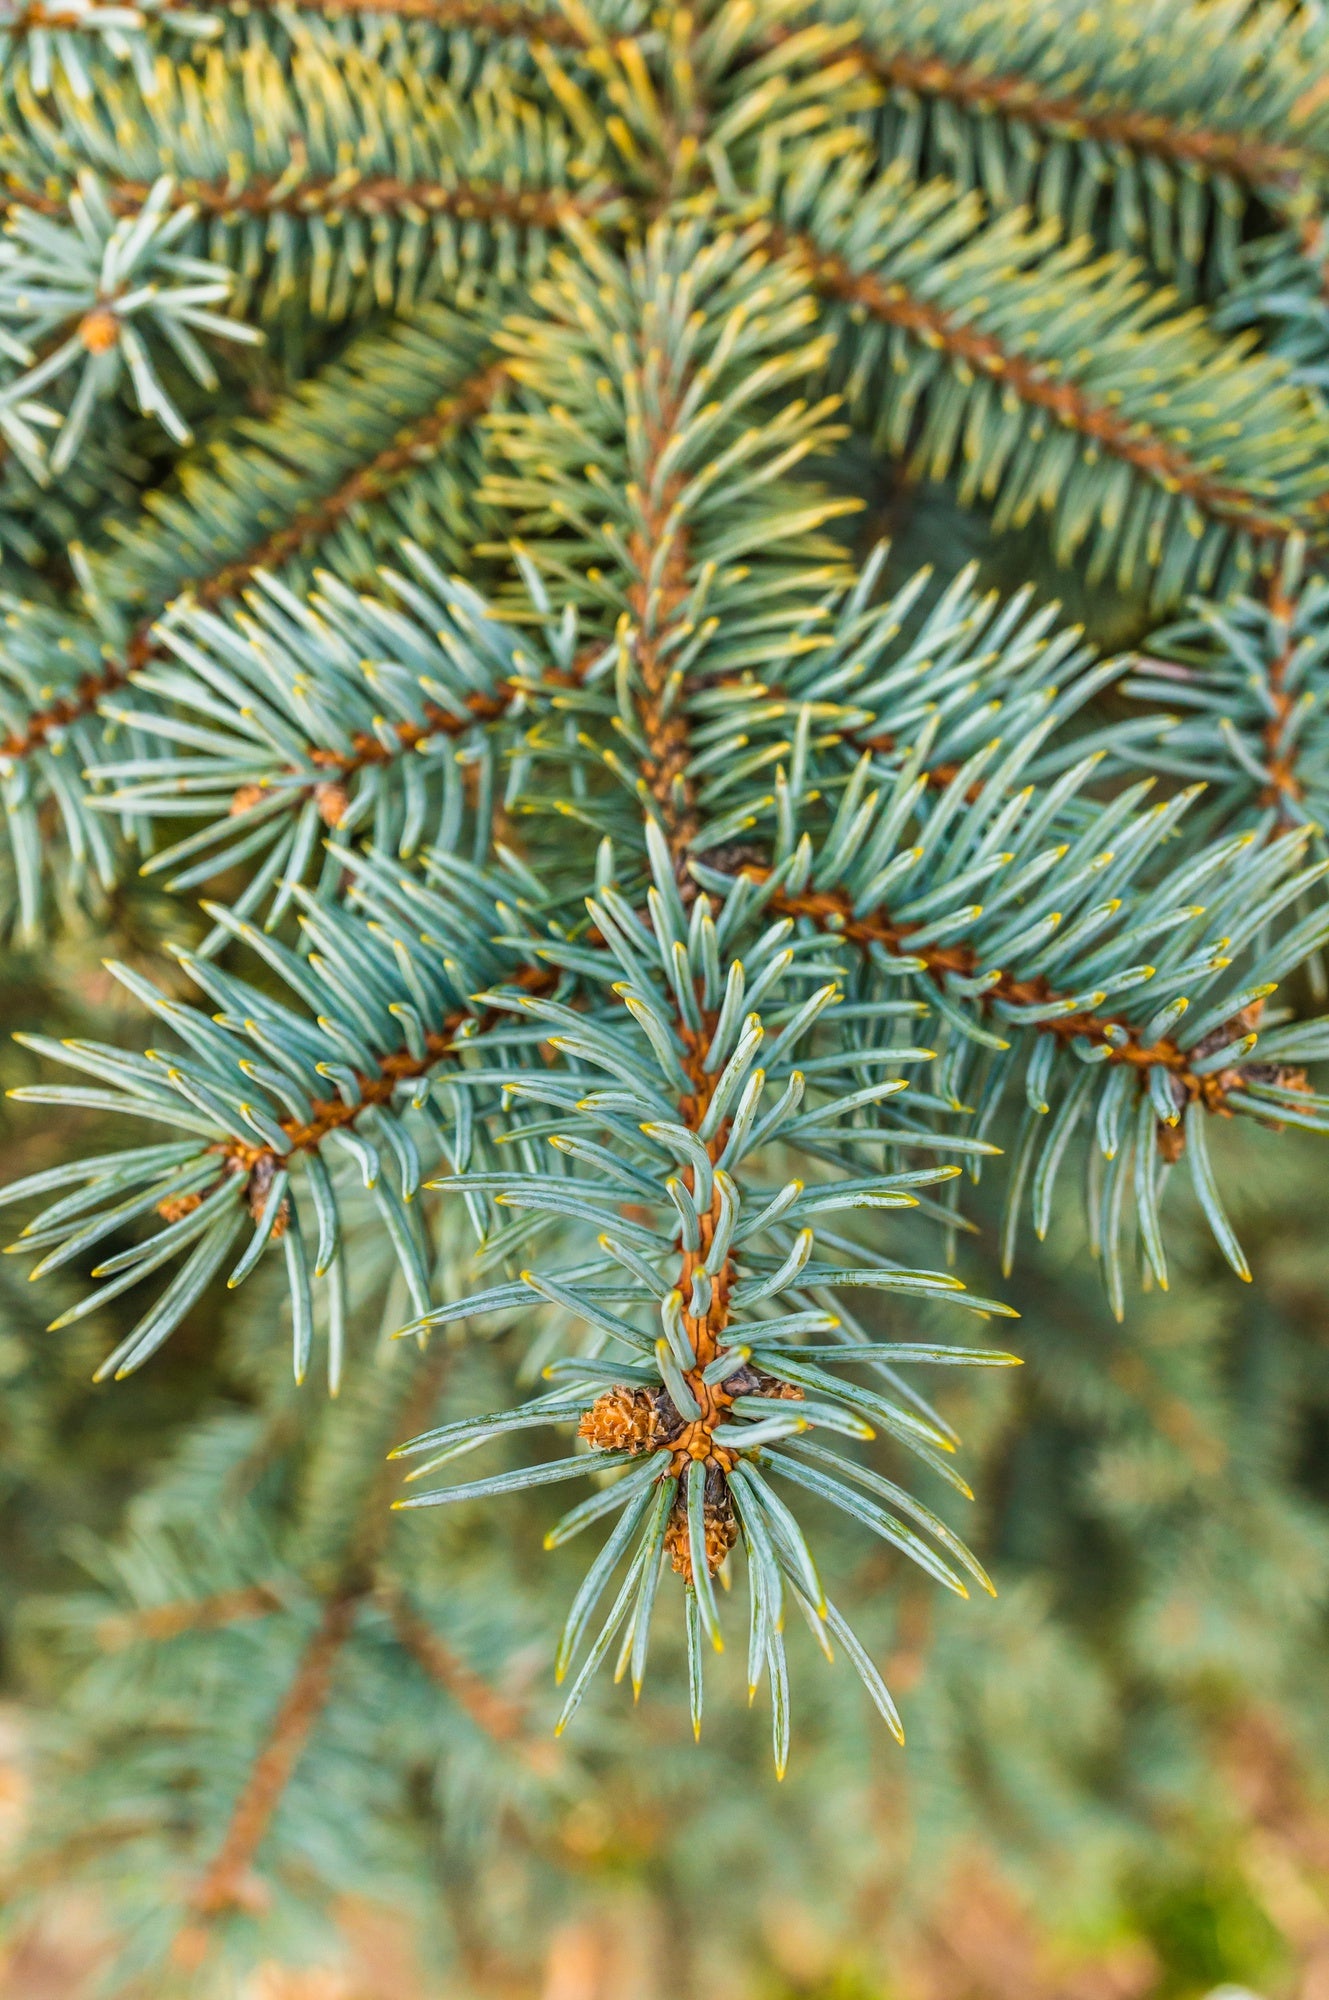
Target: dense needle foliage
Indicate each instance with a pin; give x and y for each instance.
(585, 899)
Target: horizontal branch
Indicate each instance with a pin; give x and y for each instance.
(409, 449)
(1037, 385)
(834, 913)
(1060, 115)
(205, 1614)
(493, 17)
(334, 1114)
(489, 17)
(330, 195)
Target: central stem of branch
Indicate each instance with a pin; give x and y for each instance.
(640, 1420)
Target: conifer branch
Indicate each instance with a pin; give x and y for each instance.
(372, 1092)
(834, 912)
(70, 708)
(1248, 685)
(1285, 787)
(1042, 388)
(502, 1720)
(223, 1885)
(659, 553)
(822, 813)
(412, 447)
(705, 1332)
(1154, 137)
(493, 17)
(720, 1390)
(1261, 163)
(203, 1614)
(372, 195)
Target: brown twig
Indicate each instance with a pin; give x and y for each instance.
(206, 1614)
(337, 194)
(834, 912)
(1037, 386)
(333, 1114)
(1256, 162)
(1284, 781)
(225, 1883)
(412, 446)
(646, 1420)
(493, 17)
(504, 1721)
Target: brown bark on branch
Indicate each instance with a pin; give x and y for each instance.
(412, 447)
(1039, 387)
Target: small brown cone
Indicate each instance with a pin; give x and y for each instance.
(623, 1420)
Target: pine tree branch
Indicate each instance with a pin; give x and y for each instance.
(373, 195)
(498, 1718)
(834, 913)
(1285, 784)
(223, 1884)
(333, 1114)
(41, 725)
(493, 17)
(409, 449)
(205, 1614)
(692, 1440)
(660, 556)
(416, 443)
(1038, 386)
(1257, 162)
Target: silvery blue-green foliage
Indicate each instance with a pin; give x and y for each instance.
(1050, 326)
(379, 446)
(395, 695)
(50, 738)
(44, 50)
(689, 1116)
(268, 185)
(1128, 996)
(634, 902)
(1281, 292)
(712, 1072)
(389, 430)
(97, 297)
(337, 174)
(1247, 684)
(1179, 114)
(270, 1098)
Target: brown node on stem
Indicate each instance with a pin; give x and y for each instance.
(720, 1529)
(257, 1188)
(243, 798)
(333, 801)
(1213, 1090)
(99, 330)
(177, 1206)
